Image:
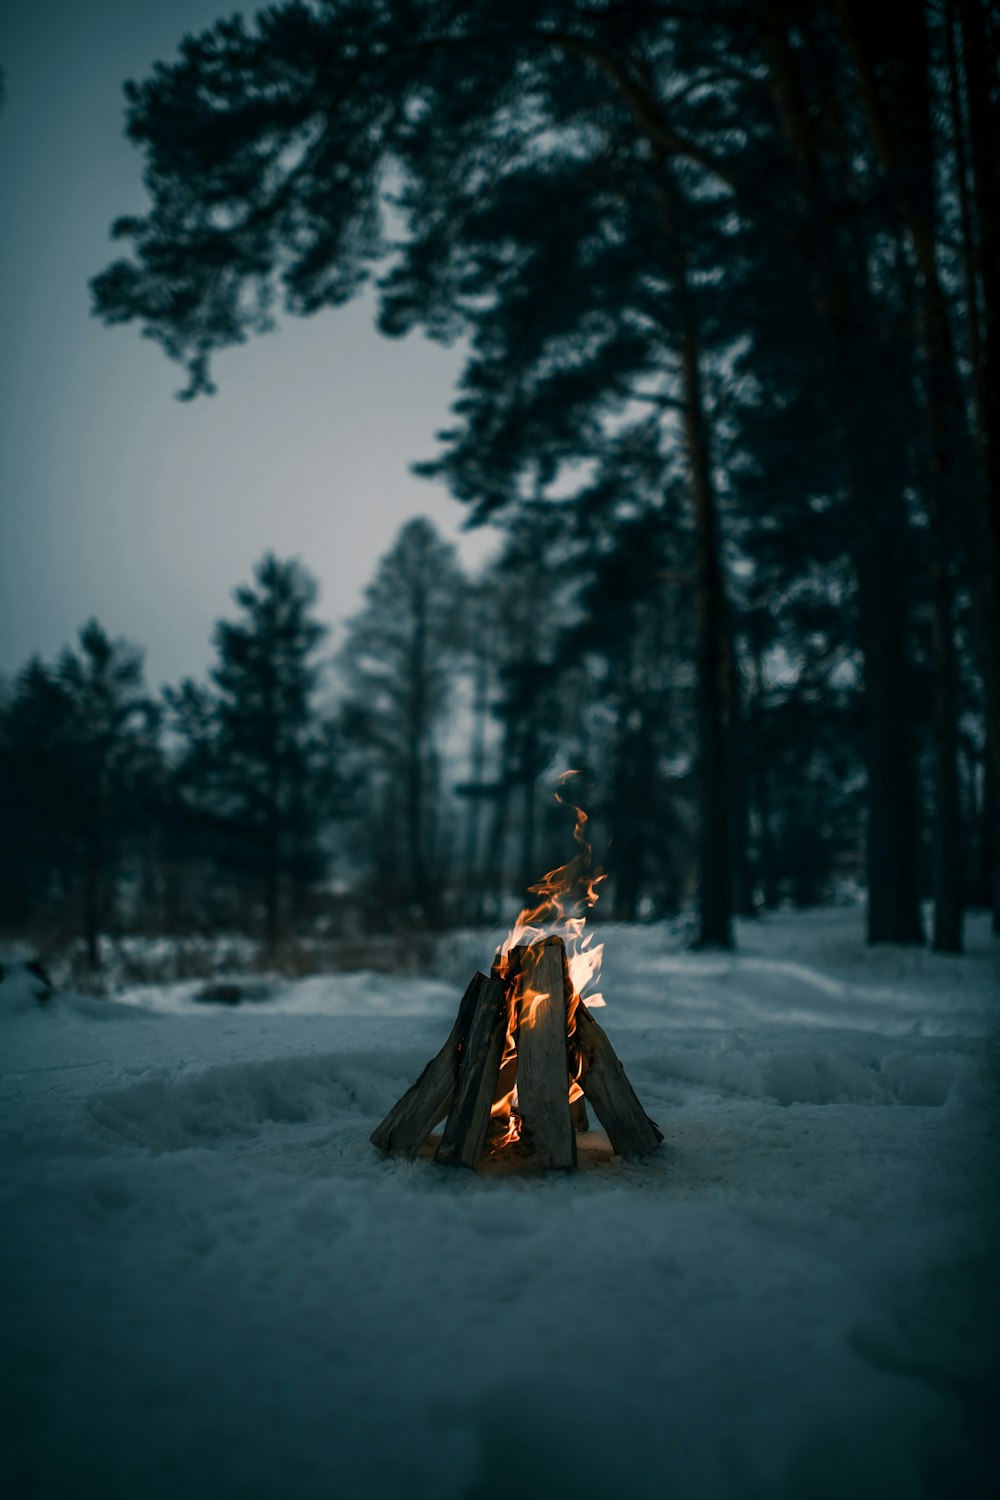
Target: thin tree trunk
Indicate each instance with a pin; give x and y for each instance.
(420, 893)
(272, 893)
(530, 872)
(477, 764)
(493, 864)
(716, 882)
(629, 785)
(767, 873)
(979, 49)
(982, 566)
(907, 156)
(743, 882)
(892, 855)
(874, 509)
(626, 842)
(714, 689)
(93, 901)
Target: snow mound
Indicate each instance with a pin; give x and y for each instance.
(821, 1075)
(361, 992)
(24, 986)
(239, 1099)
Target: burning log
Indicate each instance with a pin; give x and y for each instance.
(542, 1056)
(630, 1130)
(410, 1121)
(532, 1007)
(525, 1048)
(469, 1116)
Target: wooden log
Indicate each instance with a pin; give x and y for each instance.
(412, 1118)
(630, 1130)
(475, 1091)
(578, 1115)
(515, 958)
(542, 1056)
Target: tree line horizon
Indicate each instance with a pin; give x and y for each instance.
(403, 784)
(728, 279)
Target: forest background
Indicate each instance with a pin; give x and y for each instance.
(728, 282)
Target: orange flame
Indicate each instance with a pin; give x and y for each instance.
(567, 894)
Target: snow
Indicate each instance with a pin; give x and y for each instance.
(216, 1287)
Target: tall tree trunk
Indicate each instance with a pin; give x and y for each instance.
(713, 662)
(891, 846)
(979, 47)
(982, 564)
(874, 508)
(897, 101)
(714, 692)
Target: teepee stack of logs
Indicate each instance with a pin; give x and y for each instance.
(521, 1026)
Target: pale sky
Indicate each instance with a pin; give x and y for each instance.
(116, 500)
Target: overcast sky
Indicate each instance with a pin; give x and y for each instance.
(116, 500)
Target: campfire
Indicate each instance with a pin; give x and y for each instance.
(525, 1051)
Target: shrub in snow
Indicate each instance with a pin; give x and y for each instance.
(24, 985)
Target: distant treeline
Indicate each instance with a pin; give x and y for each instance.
(406, 782)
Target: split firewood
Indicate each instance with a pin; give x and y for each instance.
(532, 1004)
(629, 1129)
(479, 1068)
(411, 1120)
(542, 1058)
(515, 958)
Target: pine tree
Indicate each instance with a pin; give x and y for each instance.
(38, 816)
(114, 754)
(399, 662)
(253, 767)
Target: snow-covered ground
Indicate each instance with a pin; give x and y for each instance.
(214, 1286)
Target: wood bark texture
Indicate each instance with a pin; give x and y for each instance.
(475, 1091)
(542, 1057)
(630, 1130)
(411, 1120)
